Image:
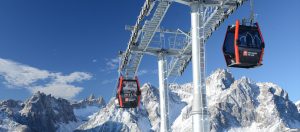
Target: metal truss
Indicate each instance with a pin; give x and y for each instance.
(131, 60)
(207, 16)
(213, 15)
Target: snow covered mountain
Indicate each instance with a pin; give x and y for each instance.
(234, 105)
(8, 110)
(39, 113)
(298, 105)
(83, 109)
(243, 105)
(146, 118)
(89, 101)
(43, 112)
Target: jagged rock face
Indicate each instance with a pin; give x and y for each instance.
(8, 124)
(9, 111)
(216, 83)
(243, 104)
(11, 107)
(41, 112)
(83, 109)
(275, 101)
(234, 105)
(45, 113)
(90, 101)
(111, 119)
(145, 118)
(150, 102)
(298, 105)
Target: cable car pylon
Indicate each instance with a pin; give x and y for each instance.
(206, 17)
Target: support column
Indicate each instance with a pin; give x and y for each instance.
(199, 109)
(163, 91)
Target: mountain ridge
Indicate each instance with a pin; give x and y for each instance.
(234, 105)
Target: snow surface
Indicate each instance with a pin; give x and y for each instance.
(69, 127)
(298, 105)
(86, 113)
(82, 115)
(254, 128)
(267, 99)
(235, 106)
(297, 102)
(6, 124)
(111, 118)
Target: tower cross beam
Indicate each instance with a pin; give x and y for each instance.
(206, 17)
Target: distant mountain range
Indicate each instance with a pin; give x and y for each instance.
(234, 105)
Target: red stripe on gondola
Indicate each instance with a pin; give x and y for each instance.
(236, 37)
(119, 91)
(263, 42)
(120, 84)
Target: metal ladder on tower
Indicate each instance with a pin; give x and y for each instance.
(149, 30)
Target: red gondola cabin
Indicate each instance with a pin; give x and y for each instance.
(128, 93)
(243, 46)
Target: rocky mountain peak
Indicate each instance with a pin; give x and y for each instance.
(223, 78)
(89, 101)
(145, 118)
(244, 104)
(10, 107)
(234, 105)
(274, 89)
(111, 118)
(91, 97)
(41, 112)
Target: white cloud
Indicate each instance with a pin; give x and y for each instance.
(34, 79)
(20, 75)
(112, 64)
(73, 77)
(59, 90)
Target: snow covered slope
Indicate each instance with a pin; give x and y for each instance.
(40, 112)
(43, 112)
(298, 105)
(8, 124)
(243, 105)
(234, 105)
(83, 109)
(144, 119)
(8, 110)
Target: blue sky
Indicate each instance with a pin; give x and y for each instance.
(73, 45)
